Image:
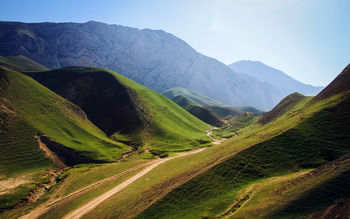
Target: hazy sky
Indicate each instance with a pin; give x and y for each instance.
(307, 39)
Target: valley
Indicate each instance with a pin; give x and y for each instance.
(108, 121)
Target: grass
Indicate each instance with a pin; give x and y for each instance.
(299, 195)
(21, 63)
(155, 121)
(317, 140)
(243, 120)
(28, 108)
(154, 185)
(226, 131)
(195, 97)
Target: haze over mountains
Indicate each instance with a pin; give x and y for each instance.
(153, 58)
(275, 77)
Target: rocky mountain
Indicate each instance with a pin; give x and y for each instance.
(154, 58)
(278, 79)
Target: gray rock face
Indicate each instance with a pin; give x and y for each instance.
(154, 58)
(278, 79)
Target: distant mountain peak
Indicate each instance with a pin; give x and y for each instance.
(277, 78)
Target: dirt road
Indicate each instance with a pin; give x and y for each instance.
(210, 135)
(43, 208)
(79, 212)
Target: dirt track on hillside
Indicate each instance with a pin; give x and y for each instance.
(82, 210)
(42, 209)
(79, 212)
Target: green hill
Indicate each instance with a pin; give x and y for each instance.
(21, 63)
(40, 130)
(223, 112)
(253, 176)
(220, 110)
(126, 111)
(195, 97)
(28, 108)
(250, 109)
(285, 105)
(200, 112)
(183, 101)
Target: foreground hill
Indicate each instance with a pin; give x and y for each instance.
(275, 77)
(272, 179)
(125, 110)
(153, 58)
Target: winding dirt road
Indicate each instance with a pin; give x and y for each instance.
(82, 210)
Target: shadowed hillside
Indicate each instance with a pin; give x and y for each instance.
(125, 110)
(339, 84)
(240, 182)
(285, 105)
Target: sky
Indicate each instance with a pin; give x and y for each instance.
(307, 39)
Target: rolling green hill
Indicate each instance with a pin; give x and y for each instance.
(31, 114)
(126, 111)
(195, 97)
(28, 108)
(200, 112)
(218, 109)
(316, 140)
(21, 63)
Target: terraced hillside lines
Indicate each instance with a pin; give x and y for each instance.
(125, 110)
(319, 139)
(299, 196)
(78, 213)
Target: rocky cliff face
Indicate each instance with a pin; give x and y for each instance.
(153, 58)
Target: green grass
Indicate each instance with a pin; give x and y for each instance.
(195, 97)
(243, 120)
(317, 140)
(223, 112)
(226, 131)
(156, 122)
(21, 63)
(48, 113)
(176, 129)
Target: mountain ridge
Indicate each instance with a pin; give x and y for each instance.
(153, 58)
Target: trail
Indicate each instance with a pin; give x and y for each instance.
(210, 135)
(82, 210)
(43, 208)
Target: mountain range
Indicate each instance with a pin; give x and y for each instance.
(153, 58)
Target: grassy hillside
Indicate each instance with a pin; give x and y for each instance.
(285, 105)
(317, 140)
(195, 97)
(184, 102)
(250, 109)
(205, 115)
(200, 112)
(218, 109)
(21, 63)
(28, 109)
(125, 110)
(223, 112)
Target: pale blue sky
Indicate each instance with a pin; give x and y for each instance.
(307, 39)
